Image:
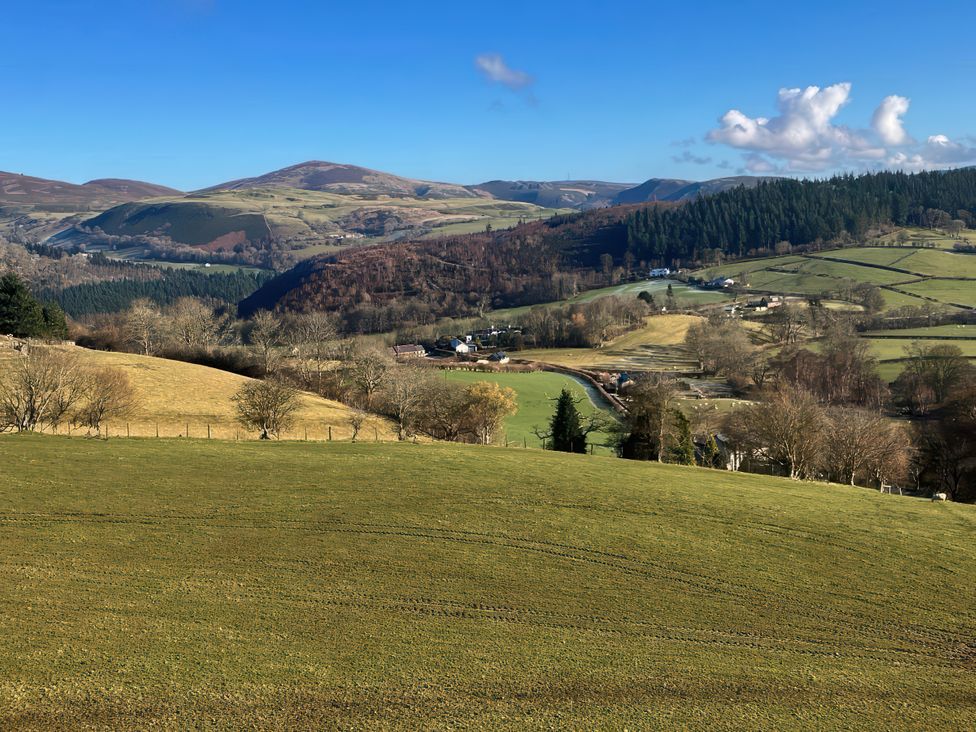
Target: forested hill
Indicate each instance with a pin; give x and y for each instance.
(534, 262)
(548, 260)
(745, 221)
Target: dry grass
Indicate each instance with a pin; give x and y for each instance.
(176, 397)
(662, 336)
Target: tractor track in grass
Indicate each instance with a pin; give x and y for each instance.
(700, 583)
(845, 649)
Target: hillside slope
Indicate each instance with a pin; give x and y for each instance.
(579, 194)
(175, 396)
(148, 583)
(26, 190)
(668, 189)
(349, 180)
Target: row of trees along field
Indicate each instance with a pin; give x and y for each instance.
(816, 408)
(802, 212)
(42, 387)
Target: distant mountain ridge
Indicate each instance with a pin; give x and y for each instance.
(579, 194)
(671, 189)
(304, 205)
(16, 188)
(317, 175)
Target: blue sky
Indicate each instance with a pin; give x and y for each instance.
(189, 93)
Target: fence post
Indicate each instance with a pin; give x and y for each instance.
(330, 433)
(157, 429)
(525, 443)
(376, 435)
(187, 435)
(306, 433)
(127, 433)
(208, 430)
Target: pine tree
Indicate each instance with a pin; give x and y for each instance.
(20, 313)
(682, 450)
(710, 453)
(565, 431)
(55, 323)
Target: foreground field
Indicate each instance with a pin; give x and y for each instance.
(174, 398)
(187, 584)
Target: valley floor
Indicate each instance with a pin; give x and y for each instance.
(184, 584)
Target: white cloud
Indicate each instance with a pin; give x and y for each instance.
(887, 120)
(804, 137)
(494, 68)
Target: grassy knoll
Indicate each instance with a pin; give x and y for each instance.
(175, 395)
(537, 392)
(187, 584)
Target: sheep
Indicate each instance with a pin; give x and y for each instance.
(940, 497)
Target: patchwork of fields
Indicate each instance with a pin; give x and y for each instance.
(174, 584)
(908, 275)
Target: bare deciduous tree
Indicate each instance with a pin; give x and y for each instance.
(268, 406)
(40, 386)
(789, 429)
(266, 334)
(402, 396)
(142, 325)
(108, 395)
(192, 324)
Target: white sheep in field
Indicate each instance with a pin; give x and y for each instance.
(940, 497)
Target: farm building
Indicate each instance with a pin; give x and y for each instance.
(408, 351)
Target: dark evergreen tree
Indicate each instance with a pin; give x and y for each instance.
(565, 430)
(20, 314)
(710, 453)
(55, 323)
(682, 448)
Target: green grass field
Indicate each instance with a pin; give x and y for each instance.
(685, 295)
(821, 274)
(186, 585)
(536, 392)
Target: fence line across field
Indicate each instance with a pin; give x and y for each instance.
(231, 432)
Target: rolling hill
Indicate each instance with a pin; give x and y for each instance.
(347, 180)
(577, 194)
(39, 208)
(174, 583)
(318, 206)
(26, 191)
(174, 397)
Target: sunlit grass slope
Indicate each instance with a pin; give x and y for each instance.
(186, 584)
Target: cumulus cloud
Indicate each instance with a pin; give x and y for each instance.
(887, 120)
(804, 136)
(494, 68)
